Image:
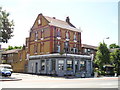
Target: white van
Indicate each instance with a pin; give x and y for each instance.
(6, 66)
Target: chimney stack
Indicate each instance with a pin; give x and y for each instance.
(67, 19)
(54, 18)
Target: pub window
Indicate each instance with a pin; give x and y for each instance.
(53, 65)
(82, 65)
(42, 64)
(69, 65)
(76, 65)
(61, 65)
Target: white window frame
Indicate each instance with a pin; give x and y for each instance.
(39, 21)
(36, 36)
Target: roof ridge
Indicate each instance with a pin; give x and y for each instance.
(55, 19)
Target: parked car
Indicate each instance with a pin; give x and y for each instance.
(5, 72)
(6, 66)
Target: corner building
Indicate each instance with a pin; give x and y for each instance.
(54, 48)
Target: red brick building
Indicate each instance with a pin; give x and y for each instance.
(54, 47)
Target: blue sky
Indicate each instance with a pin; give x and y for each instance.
(97, 19)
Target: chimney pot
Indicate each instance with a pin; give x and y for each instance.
(54, 18)
(67, 19)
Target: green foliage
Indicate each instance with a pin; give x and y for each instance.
(15, 47)
(102, 56)
(115, 60)
(112, 46)
(6, 26)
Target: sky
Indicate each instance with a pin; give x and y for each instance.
(98, 19)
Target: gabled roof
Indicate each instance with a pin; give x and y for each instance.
(11, 51)
(89, 46)
(61, 24)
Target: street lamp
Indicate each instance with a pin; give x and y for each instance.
(105, 38)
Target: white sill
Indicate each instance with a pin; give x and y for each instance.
(41, 38)
(67, 39)
(58, 37)
(75, 40)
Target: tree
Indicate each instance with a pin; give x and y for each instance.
(102, 56)
(115, 59)
(6, 26)
(112, 46)
(15, 47)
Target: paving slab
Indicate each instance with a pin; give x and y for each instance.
(3, 78)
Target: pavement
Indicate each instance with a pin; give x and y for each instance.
(3, 78)
(21, 80)
(17, 77)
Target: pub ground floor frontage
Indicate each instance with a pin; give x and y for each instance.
(61, 65)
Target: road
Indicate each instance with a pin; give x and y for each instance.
(35, 81)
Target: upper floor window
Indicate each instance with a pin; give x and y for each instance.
(39, 22)
(58, 46)
(35, 49)
(66, 46)
(42, 34)
(75, 50)
(41, 47)
(75, 37)
(58, 33)
(67, 35)
(36, 36)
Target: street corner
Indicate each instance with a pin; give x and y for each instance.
(3, 78)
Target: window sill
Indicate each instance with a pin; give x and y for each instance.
(58, 37)
(67, 39)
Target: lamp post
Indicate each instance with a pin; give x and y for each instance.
(105, 38)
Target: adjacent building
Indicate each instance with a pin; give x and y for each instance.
(89, 50)
(10, 56)
(17, 58)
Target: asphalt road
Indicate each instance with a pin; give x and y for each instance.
(35, 81)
